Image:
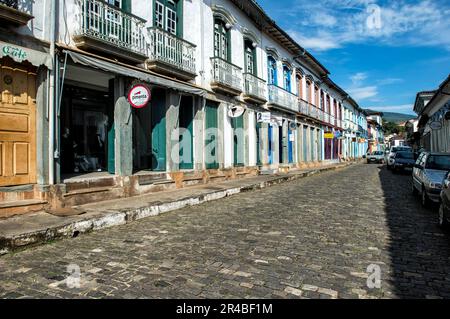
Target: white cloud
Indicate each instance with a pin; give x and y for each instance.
(361, 93)
(330, 24)
(318, 43)
(389, 81)
(358, 78)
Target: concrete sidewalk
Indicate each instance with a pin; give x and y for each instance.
(37, 228)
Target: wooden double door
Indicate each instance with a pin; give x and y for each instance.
(17, 123)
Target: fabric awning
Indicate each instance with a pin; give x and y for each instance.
(20, 54)
(131, 72)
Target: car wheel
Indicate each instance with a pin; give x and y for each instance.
(425, 201)
(443, 222)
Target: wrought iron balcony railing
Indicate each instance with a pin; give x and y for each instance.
(111, 25)
(310, 110)
(282, 98)
(254, 86)
(10, 3)
(226, 74)
(169, 49)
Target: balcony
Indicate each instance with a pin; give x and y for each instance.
(171, 55)
(283, 99)
(310, 110)
(108, 29)
(254, 89)
(15, 12)
(226, 77)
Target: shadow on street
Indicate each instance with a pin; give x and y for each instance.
(418, 248)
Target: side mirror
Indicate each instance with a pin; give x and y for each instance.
(418, 166)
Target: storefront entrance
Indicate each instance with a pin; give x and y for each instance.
(237, 124)
(211, 135)
(186, 139)
(87, 126)
(149, 134)
(17, 123)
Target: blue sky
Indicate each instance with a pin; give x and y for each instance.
(381, 52)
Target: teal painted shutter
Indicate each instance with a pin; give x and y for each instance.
(111, 131)
(211, 135)
(158, 106)
(238, 125)
(186, 122)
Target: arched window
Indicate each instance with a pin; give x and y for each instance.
(272, 69)
(300, 86)
(308, 91)
(322, 100)
(222, 47)
(250, 57)
(316, 95)
(167, 14)
(287, 78)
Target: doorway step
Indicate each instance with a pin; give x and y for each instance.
(18, 200)
(90, 190)
(150, 183)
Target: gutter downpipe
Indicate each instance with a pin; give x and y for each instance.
(51, 100)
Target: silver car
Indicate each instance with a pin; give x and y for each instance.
(391, 155)
(428, 175)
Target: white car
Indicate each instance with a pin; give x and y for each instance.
(375, 157)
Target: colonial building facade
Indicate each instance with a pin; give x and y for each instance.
(433, 126)
(232, 95)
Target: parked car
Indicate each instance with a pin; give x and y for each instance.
(375, 157)
(391, 155)
(403, 161)
(428, 175)
(444, 209)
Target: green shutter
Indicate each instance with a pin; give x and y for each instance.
(186, 121)
(111, 131)
(211, 134)
(158, 107)
(238, 123)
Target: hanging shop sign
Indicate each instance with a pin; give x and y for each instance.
(235, 110)
(263, 117)
(139, 96)
(436, 125)
(337, 134)
(328, 135)
(18, 54)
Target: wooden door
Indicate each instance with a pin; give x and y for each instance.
(17, 123)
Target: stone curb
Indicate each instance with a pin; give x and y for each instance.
(117, 218)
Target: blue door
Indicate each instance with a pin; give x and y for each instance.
(313, 145)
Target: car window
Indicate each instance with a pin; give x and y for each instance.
(439, 162)
(423, 160)
(405, 155)
(377, 153)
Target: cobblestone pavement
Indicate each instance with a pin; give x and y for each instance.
(310, 238)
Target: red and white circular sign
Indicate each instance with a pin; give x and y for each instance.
(139, 96)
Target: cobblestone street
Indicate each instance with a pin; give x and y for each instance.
(310, 238)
